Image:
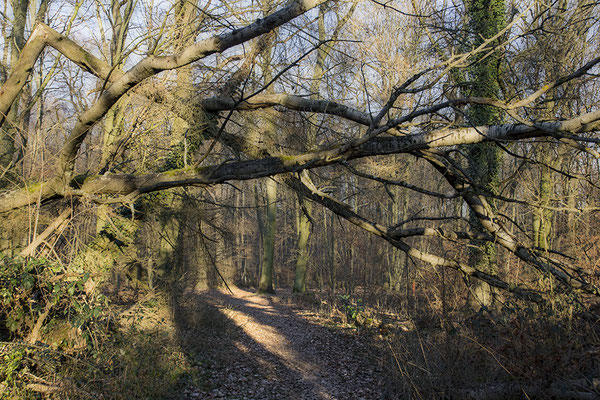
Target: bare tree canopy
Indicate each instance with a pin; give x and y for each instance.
(405, 89)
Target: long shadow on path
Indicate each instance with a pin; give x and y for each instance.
(266, 350)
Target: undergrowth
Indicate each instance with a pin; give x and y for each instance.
(61, 338)
(513, 351)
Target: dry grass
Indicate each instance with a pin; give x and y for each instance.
(509, 353)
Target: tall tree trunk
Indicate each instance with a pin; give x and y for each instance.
(302, 245)
(265, 285)
(331, 254)
(185, 13)
(399, 209)
(486, 19)
(542, 216)
(304, 227)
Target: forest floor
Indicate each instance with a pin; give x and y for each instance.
(269, 347)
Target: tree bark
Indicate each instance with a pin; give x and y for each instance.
(486, 20)
(302, 255)
(265, 284)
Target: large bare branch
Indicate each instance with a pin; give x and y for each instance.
(250, 169)
(123, 82)
(376, 229)
(492, 225)
(152, 65)
(120, 82)
(41, 37)
(292, 102)
(21, 71)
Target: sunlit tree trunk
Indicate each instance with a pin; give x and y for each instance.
(115, 117)
(183, 36)
(303, 228)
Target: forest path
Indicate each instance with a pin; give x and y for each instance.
(279, 351)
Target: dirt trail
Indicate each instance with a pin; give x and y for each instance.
(279, 352)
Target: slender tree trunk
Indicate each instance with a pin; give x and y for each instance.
(265, 285)
(331, 262)
(304, 227)
(302, 246)
(261, 231)
(542, 216)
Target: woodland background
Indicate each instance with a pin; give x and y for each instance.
(431, 162)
